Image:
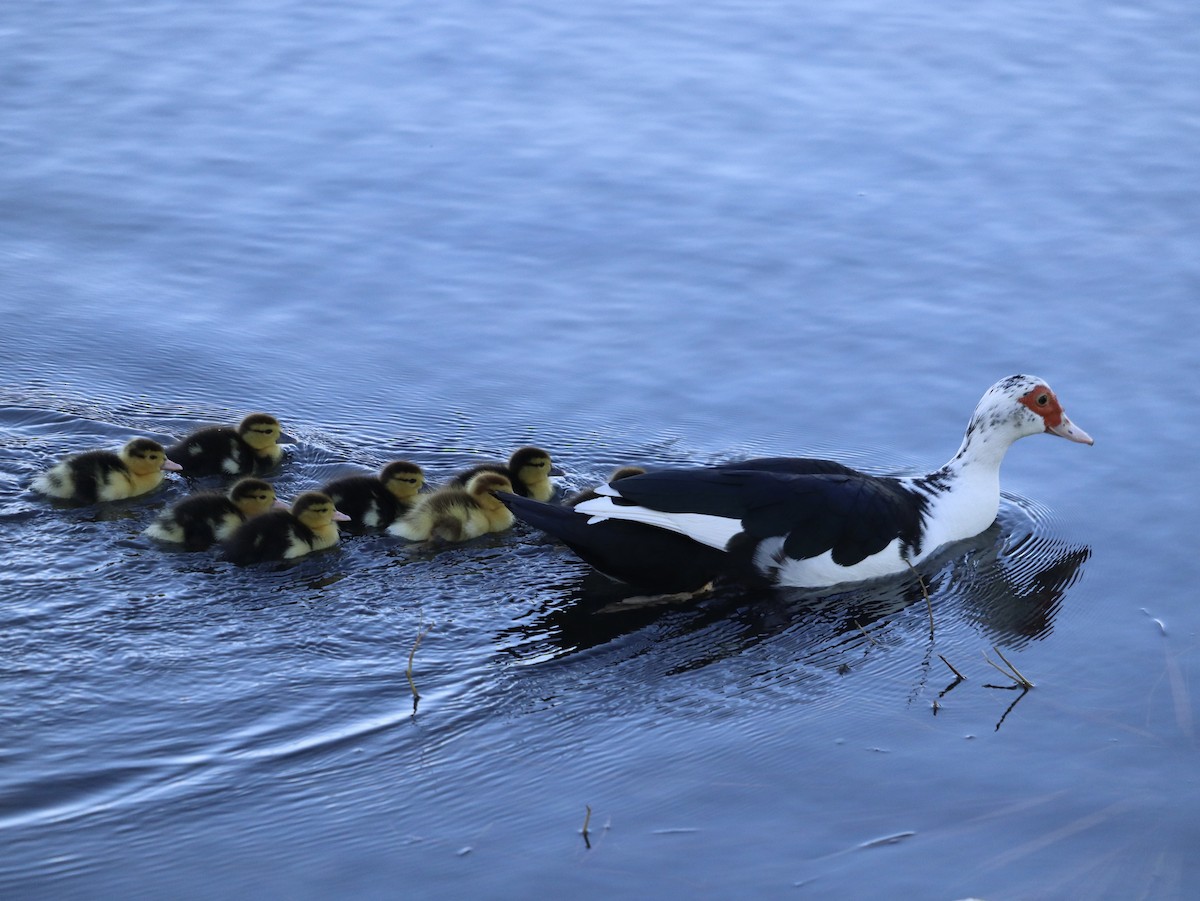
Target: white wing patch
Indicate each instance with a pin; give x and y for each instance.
(715, 531)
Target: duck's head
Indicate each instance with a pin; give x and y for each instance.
(316, 510)
(254, 496)
(1023, 405)
(482, 486)
(531, 465)
(144, 456)
(261, 431)
(402, 479)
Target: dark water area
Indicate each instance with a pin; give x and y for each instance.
(636, 233)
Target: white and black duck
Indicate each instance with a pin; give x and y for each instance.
(795, 521)
(251, 448)
(376, 502)
(101, 475)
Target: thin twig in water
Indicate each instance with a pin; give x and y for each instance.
(587, 818)
(408, 672)
(865, 633)
(1020, 677)
(961, 677)
(925, 592)
(1012, 672)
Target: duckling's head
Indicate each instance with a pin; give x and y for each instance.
(402, 479)
(482, 485)
(261, 431)
(144, 456)
(252, 496)
(315, 509)
(530, 465)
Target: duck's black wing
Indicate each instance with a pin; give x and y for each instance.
(852, 514)
(651, 558)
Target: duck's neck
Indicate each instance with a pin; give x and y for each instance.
(964, 495)
(325, 535)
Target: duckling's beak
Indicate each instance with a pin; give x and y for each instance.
(170, 465)
(557, 470)
(1070, 431)
(339, 516)
(281, 505)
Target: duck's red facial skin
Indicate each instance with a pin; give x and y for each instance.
(1041, 400)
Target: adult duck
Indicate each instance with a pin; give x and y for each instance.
(219, 450)
(800, 522)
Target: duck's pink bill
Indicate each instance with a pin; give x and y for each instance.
(1070, 431)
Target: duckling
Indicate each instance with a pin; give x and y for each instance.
(250, 448)
(101, 475)
(311, 525)
(588, 494)
(453, 513)
(529, 469)
(377, 502)
(202, 519)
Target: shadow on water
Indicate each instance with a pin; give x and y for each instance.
(1004, 586)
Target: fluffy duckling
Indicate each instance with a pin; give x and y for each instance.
(377, 502)
(529, 469)
(454, 513)
(588, 494)
(198, 521)
(101, 475)
(250, 448)
(311, 525)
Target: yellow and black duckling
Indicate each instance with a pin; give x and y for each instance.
(529, 469)
(454, 513)
(198, 521)
(588, 494)
(311, 525)
(377, 502)
(101, 475)
(250, 448)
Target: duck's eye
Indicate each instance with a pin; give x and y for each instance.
(1043, 399)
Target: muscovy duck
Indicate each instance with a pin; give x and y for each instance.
(795, 521)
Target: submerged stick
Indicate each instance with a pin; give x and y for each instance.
(408, 672)
(928, 603)
(587, 818)
(1012, 672)
(960, 676)
(865, 633)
